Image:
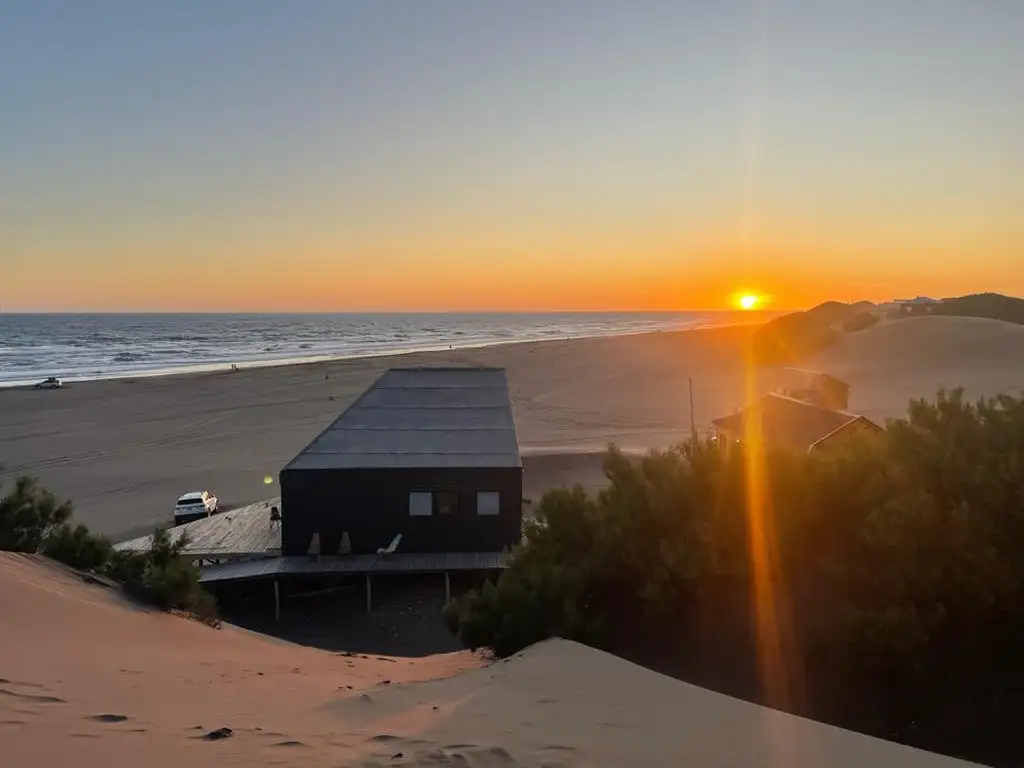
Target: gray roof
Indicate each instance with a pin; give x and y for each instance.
(422, 417)
(237, 533)
(784, 421)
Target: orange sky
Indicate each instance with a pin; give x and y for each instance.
(482, 276)
(523, 156)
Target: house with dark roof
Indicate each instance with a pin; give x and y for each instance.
(816, 387)
(788, 422)
(430, 454)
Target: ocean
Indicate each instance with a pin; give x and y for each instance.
(78, 347)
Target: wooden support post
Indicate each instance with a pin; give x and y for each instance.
(277, 601)
(369, 593)
(447, 588)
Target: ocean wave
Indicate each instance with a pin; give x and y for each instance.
(180, 339)
(117, 345)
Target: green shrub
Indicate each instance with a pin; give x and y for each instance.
(31, 520)
(28, 514)
(162, 577)
(77, 547)
(900, 555)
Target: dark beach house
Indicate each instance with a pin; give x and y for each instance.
(428, 453)
(788, 422)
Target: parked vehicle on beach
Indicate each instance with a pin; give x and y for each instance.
(195, 505)
(51, 383)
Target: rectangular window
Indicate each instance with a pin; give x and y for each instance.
(421, 503)
(488, 503)
(446, 502)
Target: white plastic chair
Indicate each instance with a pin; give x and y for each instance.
(390, 548)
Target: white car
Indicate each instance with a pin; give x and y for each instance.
(194, 506)
(51, 383)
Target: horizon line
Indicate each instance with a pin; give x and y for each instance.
(11, 313)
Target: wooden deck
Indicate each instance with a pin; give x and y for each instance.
(397, 563)
(242, 533)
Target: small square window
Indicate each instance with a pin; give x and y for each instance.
(446, 502)
(488, 503)
(421, 504)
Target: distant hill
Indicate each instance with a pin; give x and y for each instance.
(993, 306)
(791, 337)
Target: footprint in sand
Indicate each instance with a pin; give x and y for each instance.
(218, 735)
(106, 718)
(489, 756)
(32, 697)
(290, 743)
(20, 684)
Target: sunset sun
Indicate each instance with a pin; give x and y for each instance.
(749, 301)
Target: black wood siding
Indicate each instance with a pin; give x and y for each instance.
(372, 505)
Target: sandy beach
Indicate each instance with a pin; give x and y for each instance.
(124, 450)
(89, 679)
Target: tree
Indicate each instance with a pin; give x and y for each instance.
(899, 558)
(28, 515)
(32, 521)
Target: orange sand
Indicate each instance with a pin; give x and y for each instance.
(88, 679)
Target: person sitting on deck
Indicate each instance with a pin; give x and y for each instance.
(275, 515)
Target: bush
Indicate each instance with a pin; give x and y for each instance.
(162, 577)
(28, 514)
(77, 547)
(32, 521)
(899, 556)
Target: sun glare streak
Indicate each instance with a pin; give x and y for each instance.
(768, 601)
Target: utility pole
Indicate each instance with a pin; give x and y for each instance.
(693, 424)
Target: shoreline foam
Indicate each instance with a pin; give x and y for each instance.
(261, 363)
(80, 348)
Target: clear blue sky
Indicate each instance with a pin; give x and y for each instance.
(567, 154)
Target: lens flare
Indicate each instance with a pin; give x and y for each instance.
(769, 604)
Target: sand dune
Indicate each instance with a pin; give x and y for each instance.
(88, 679)
(902, 359)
